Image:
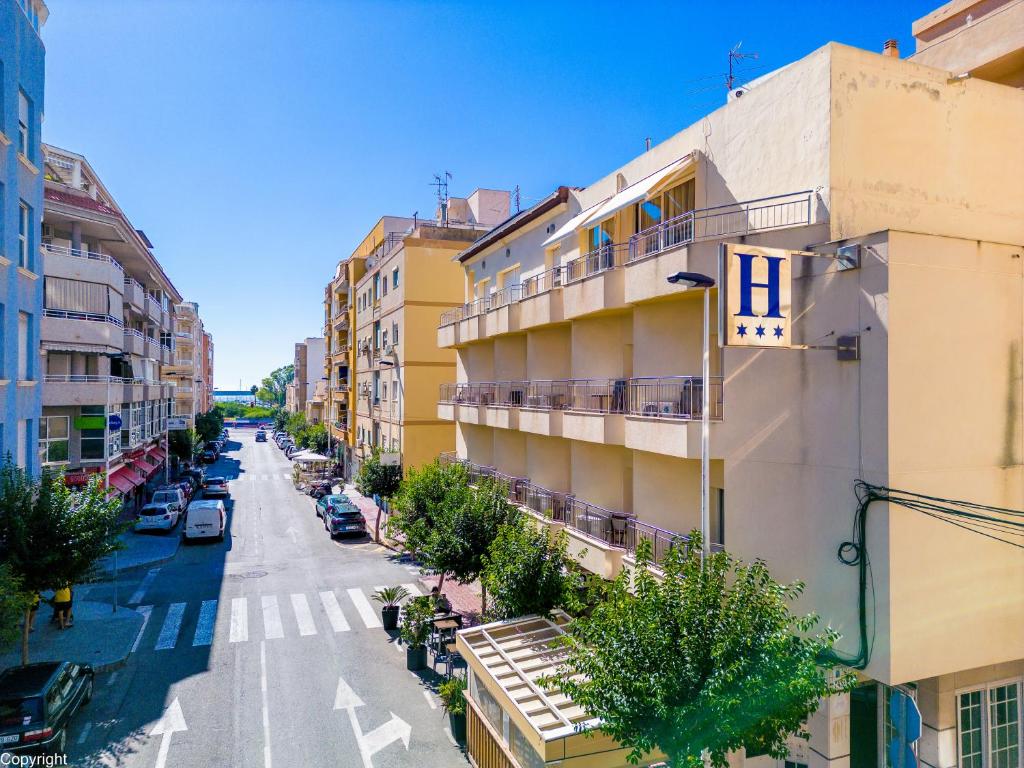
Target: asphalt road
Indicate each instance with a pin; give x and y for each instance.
(251, 644)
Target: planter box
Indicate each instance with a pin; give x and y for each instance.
(416, 658)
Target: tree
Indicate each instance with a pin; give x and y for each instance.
(184, 443)
(275, 385)
(707, 658)
(463, 533)
(528, 571)
(209, 425)
(296, 425)
(377, 479)
(280, 418)
(52, 536)
(14, 605)
(315, 438)
(423, 495)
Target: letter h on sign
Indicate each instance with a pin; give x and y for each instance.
(758, 285)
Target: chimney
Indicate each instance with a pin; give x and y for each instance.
(647, 144)
(891, 48)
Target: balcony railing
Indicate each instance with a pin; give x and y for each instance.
(542, 283)
(675, 397)
(78, 253)
(617, 529)
(735, 219)
(77, 378)
(133, 332)
(602, 259)
(94, 317)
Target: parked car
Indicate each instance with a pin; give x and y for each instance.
(215, 486)
(195, 475)
(205, 520)
(261, 436)
(340, 516)
(38, 701)
(320, 489)
(214, 446)
(172, 495)
(157, 517)
(208, 456)
(224, 433)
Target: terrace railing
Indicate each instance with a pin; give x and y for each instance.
(602, 259)
(676, 397)
(79, 253)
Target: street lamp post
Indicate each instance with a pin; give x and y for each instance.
(702, 281)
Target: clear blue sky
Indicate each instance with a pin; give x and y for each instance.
(256, 142)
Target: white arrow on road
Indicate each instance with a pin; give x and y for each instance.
(291, 530)
(370, 743)
(171, 722)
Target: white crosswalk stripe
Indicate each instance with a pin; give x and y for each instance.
(239, 620)
(303, 617)
(172, 625)
(333, 611)
(363, 607)
(413, 589)
(207, 619)
(272, 627)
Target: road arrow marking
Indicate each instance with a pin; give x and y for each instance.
(171, 722)
(140, 593)
(370, 743)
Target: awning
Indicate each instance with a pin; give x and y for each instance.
(634, 193)
(573, 224)
(156, 453)
(125, 480)
(309, 458)
(81, 477)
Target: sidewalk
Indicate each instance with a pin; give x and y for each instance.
(99, 637)
(142, 550)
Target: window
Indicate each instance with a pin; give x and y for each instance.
(22, 446)
(384, 390)
(384, 288)
(24, 252)
(376, 287)
(91, 440)
(24, 124)
(384, 338)
(989, 726)
(24, 345)
(53, 439)
(394, 333)
(394, 277)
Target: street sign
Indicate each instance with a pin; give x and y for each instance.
(176, 422)
(906, 722)
(114, 422)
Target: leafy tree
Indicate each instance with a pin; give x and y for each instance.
(376, 479)
(296, 425)
(52, 536)
(280, 418)
(528, 571)
(209, 425)
(14, 605)
(275, 385)
(315, 438)
(184, 443)
(463, 533)
(420, 500)
(708, 658)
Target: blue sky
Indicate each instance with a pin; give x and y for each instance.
(256, 142)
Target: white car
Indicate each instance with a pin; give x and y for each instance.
(205, 520)
(175, 497)
(157, 517)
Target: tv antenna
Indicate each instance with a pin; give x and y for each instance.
(516, 198)
(734, 56)
(441, 182)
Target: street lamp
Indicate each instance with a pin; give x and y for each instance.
(698, 280)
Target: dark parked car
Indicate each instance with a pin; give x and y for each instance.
(38, 701)
(215, 486)
(261, 436)
(209, 456)
(340, 516)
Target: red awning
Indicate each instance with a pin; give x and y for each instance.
(144, 468)
(125, 480)
(156, 453)
(72, 479)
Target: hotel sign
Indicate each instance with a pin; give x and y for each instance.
(758, 296)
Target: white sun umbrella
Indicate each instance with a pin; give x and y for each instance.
(310, 458)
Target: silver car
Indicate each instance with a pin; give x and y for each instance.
(157, 517)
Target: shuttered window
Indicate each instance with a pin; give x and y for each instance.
(76, 296)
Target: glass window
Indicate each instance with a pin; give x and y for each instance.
(24, 123)
(1004, 726)
(24, 345)
(394, 277)
(384, 288)
(24, 252)
(53, 439)
(394, 332)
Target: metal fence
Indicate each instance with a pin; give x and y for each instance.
(676, 397)
(79, 253)
(599, 260)
(91, 316)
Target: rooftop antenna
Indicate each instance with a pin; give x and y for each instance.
(441, 182)
(734, 56)
(516, 198)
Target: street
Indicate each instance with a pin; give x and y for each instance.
(266, 649)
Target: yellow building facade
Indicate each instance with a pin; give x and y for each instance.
(578, 373)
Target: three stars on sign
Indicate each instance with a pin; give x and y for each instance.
(777, 332)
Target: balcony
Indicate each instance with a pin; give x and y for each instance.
(134, 295)
(134, 342)
(153, 309)
(595, 281)
(603, 537)
(80, 389)
(183, 392)
(83, 328)
(86, 266)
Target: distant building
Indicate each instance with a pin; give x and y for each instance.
(309, 369)
(232, 396)
(21, 210)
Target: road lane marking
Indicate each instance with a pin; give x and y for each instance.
(413, 589)
(239, 620)
(113, 677)
(84, 734)
(172, 625)
(207, 620)
(146, 611)
(430, 699)
(366, 612)
(272, 628)
(263, 697)
(140, 593)
(333, 611)
(303, 616)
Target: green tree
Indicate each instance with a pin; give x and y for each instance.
(422, 497)
(184, 443)
(315, 438)
(528, 570)
(14, 606)
(52, 536)
(209, 425)
(296, 425)
(707, 657)
(280, 418)
(377, 479)
(274, 386)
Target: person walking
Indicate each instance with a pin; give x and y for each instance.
(62, 605)
(33, 609)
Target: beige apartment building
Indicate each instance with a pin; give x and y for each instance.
(186, 368)
(207, 374)
(308, 364)
(410, 277)
(895, 188)
(105, 333)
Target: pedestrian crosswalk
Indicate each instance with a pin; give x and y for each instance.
(260, 617)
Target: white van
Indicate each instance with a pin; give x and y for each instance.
(205, 519)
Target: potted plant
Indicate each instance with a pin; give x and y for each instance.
(452, 693)
(389, 598)
(416, 617)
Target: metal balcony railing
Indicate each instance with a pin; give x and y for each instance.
(761, 215)
(133, 332)
(602, 259)
(94, 317)
(542, 283)
(78, 253)
(675, 397)
(78, 378)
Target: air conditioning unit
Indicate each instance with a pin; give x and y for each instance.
(364, 347)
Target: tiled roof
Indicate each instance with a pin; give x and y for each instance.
(80, 201)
